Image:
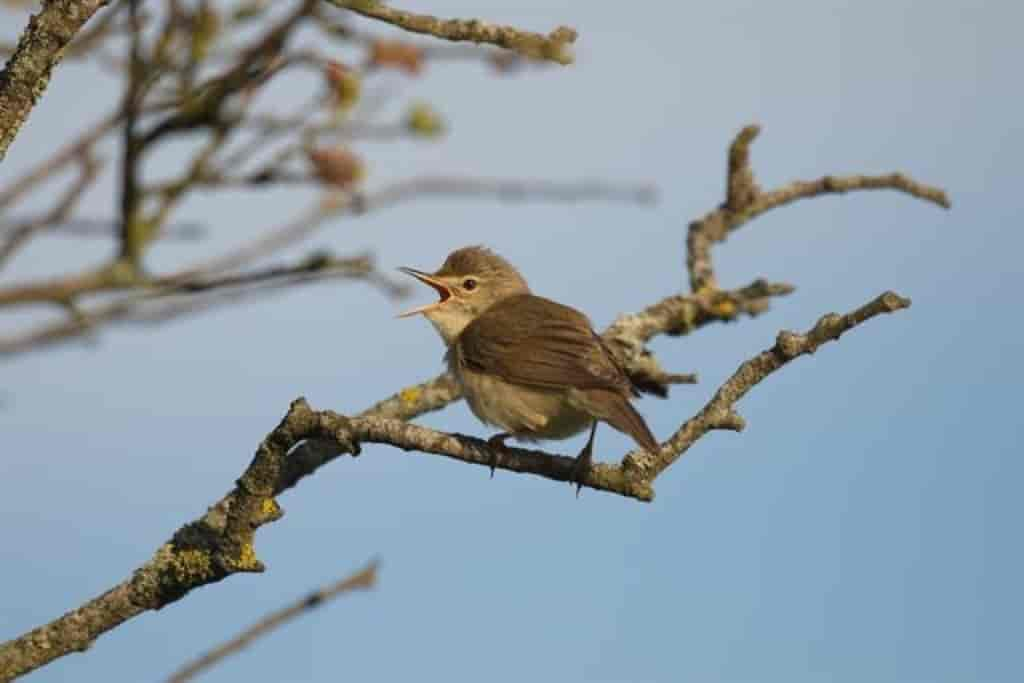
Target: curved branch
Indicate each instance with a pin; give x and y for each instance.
(720, 412)
(204, 551)
(745, 200)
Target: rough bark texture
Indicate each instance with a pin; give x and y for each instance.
(41, 47)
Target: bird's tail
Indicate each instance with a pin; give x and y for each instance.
(615, 409)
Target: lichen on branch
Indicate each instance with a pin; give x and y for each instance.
(27, 73)
(551, 47)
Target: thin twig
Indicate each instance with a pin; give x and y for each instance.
(21, 234)
(64, 156)
(105, 279)
(101, 228)
(745, 200)
(364, 579)
(174, 297)
(553, 46)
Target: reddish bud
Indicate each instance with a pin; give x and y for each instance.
(337, 166)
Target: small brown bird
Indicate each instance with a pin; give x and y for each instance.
(531, 366)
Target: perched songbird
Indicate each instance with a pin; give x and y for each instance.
(531, 366)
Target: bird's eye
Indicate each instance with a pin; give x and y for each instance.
(469, 284)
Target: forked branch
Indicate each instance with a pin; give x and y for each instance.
(220, 543)
(745, 200)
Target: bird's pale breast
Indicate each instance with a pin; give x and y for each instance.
(526, 412)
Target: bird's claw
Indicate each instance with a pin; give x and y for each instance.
(497, 444)
(581, 468)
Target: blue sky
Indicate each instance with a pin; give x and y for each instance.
(866, 526)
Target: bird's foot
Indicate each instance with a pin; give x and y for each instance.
(497, 444)
(582, 466)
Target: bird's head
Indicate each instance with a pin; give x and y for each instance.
(470, 281)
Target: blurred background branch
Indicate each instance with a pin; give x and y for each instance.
(364, 579)
(193, 76)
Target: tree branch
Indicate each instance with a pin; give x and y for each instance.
(745, 200)
(553, 46)
(220, 542)
(74, 151)
(209, 548)
(635, 475)
(41, 47)
(364, 579)
(174, 297)
(20, 234)
(112, 277)
(720, 412)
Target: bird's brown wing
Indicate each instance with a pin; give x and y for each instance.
(532, 341)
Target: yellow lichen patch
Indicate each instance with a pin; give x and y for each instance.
(410, 395)
(191, 567)
(270, 508)
(716, 302)
(247, 557)
(725, 308)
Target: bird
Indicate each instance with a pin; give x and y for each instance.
(530, 366)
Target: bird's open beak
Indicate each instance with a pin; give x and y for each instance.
(441, 289)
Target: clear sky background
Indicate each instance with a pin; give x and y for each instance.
(866, 526)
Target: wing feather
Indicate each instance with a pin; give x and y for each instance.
(532, 341)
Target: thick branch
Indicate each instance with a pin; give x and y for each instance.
(635, 475)
(40, 49)
(553, 47)
(626, 337)
(212, 547)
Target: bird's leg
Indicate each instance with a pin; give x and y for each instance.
(583, 460)
(497, 443)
